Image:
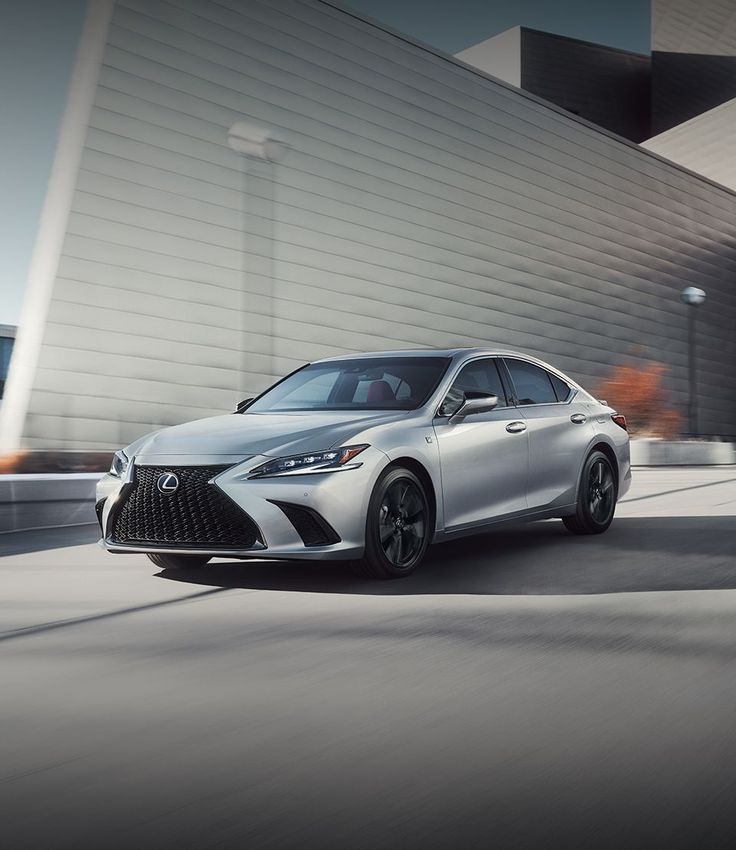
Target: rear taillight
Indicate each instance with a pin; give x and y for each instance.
(620, 420)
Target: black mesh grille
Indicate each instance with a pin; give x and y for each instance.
(312, 527)
(197, 514)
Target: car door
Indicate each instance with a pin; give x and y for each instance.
(559, 432)
(484, 459)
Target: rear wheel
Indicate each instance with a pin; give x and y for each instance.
(596, 497)
(179, 562)
(398, 526)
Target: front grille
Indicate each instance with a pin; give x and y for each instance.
(196, 515)
(312, 527)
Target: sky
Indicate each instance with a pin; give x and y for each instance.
(38, 42)
(453, 25)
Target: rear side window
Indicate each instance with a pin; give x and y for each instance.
(532, 383)
(562, 390)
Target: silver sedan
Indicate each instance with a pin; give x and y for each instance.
(371, 458)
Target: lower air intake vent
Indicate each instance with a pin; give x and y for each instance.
(195, 515)
(312, 527)
(99, 508)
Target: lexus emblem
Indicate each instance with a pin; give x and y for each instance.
(167, 483)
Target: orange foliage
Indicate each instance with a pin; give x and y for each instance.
(638, 392)
(24, 461)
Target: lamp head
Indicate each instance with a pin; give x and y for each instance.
(692, 296)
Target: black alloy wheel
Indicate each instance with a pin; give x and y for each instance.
(597, 497)
(179, 562)
(398, 526)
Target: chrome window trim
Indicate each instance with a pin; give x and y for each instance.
(575, 390)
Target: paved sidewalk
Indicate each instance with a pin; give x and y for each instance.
(681, 491)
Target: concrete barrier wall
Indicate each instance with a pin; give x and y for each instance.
(681, 453)
(46, 501)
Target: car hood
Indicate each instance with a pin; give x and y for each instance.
(271, 434)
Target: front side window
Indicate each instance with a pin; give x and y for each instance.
(375, 383)
(532, 383)
(477, 376)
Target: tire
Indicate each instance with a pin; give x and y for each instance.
(597, 495)
(398, 526)
(179, 562)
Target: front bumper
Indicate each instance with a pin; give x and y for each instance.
(340, 497)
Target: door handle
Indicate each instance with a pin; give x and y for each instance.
(515, 427)
(578, 418)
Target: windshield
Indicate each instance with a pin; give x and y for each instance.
(376, 383)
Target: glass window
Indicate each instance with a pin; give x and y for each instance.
(369, 383)
(6, 347)
(562, 390)
(532, 383)
(478, 376)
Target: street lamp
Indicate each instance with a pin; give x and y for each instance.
(693, 297)
(256, 142)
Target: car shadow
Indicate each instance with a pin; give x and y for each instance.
(635, 555)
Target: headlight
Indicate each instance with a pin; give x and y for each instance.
(119, 464)
(328, 461)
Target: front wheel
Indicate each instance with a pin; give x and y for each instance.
(398, 526)
(179, 562)
(596, 497)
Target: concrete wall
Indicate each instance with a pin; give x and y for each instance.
(686, 85)
(694, 26)
(419, 204)
(703, 144)
(499, 56)
(46, 501)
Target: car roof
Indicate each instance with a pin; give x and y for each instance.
(424, 352)
(454, 353)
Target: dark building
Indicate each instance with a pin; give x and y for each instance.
(606, 86)
(688, 84)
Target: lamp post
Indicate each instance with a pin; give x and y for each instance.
(261, 154)
(693, 297)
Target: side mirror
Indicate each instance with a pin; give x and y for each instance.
(475, 402)
(242, 405)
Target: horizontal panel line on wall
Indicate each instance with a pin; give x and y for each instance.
(652, 209)
(664, 266)
(195, 81)
(713, 365)
(568, 126)
(460, 222)
(400, 115)
(574, 129)
(483, 290)
(636, 245)
(388, 295)
(614, 225)
(587, 268)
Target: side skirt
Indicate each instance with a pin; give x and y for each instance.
(487, 525)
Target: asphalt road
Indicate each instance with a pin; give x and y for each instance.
(527, 689)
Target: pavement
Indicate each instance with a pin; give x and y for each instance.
(526, 689)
